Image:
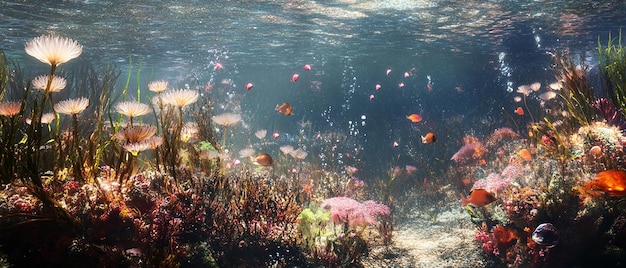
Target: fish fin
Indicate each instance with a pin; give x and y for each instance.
(464, 200)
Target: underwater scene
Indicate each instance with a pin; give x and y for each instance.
(402, 133)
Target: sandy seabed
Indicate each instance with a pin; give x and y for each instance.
(444, 239)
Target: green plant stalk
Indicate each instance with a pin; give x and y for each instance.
(612, 60)
(74, 154)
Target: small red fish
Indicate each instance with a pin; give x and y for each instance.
(519, 111)
(217, 66)
(406, 74)
(395, 144)
(372, 97)
(415, 118)
(306, 67)
(275, 135)
(429, 86)
(430, 138)
(388, 72)
(478, 198)
(378, 86)
(295, 77)
(400, 85)
(249, 86)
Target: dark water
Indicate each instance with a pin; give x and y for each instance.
(475, 53)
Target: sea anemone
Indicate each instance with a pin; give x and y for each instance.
(45, 118)
(180, 97)
(41, 82)
(154, 141)
(53, 50)
(261, 134)
(286, 149)
(158, 86)
(299, 154)
(135, 133)
(135, 147)
(227, 119)
(10, 108)
(72, 106)
(190, 130)
(247, 152)
(132, 108)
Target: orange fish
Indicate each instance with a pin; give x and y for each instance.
(611, 182)
(478, 198)
(295, 77)
(429, 138)
(306, 67)
(415, 118)
(217, 66)
(525, 154)
(284, 108)
(519, 111)
(263, 159)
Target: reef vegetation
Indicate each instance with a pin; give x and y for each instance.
(556, 192)
(92, 178)
(150, 178)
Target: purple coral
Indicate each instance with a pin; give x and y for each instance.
(354, 213)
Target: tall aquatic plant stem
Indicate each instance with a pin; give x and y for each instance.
(75, 153)
(613, 66)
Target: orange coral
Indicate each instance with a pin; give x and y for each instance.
(504, 237)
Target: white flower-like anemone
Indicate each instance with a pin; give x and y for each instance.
(261, 133)
(158, 86)
(72, 106)
(132, 108)
(10, 108)
(136, 147)
(53, 50)
(179, 98)
(41, 82)
(227, 119)
(135, 133)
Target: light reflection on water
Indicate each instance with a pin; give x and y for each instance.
(485, 48)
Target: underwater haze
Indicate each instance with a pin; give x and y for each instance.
(474, 53)
(376, 90)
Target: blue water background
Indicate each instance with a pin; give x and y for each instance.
(475, 52)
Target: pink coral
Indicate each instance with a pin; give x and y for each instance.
(495, 183)
(352, 212)
(470, 151)
(500, 134)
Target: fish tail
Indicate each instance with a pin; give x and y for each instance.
(464, 200)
